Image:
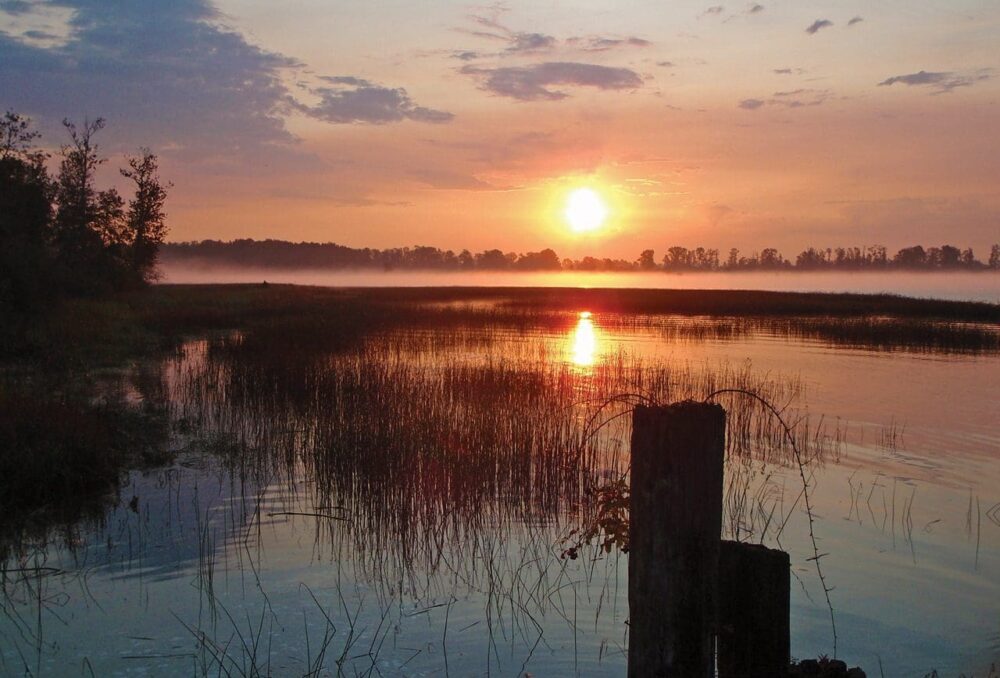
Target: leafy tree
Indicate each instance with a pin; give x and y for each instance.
(25, 217)
(83, 216)
(647, 260)
(994, 262)
(911, 257)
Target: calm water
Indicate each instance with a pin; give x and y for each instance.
(399, 506)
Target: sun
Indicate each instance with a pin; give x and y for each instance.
(585, 210)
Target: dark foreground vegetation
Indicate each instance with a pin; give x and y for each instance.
(283, 255)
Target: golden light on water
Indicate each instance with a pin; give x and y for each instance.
(584, 341)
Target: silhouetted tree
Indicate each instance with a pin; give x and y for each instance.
(145, 223)
(86, 220)
(25, 217)
(911, 257)
(546, 260)
(994, 262)
(492, 260)
(647, 260)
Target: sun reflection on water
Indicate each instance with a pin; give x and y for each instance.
(584, 341)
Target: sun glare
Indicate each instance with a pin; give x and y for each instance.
(585, 210)
(583, 342)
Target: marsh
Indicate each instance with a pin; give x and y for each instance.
(388, 481)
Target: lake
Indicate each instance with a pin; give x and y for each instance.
(395, 498)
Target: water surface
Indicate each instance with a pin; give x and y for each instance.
(398, 503)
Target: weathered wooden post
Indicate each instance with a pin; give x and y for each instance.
(675, 529)
(754, 591)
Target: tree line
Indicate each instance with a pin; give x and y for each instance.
(280, 254)
(60, 235)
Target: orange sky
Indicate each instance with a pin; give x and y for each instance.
(465, 126)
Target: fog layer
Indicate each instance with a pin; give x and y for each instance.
(958, 286)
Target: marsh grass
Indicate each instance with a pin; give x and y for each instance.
(422, 442)
(429, 446)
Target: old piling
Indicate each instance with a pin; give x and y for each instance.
(675, 530)
(753, 608)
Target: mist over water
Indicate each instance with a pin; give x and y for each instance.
(951, 285)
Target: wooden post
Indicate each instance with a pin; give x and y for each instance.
(754, 590)
(675, 528)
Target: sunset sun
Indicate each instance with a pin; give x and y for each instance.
(585, 210)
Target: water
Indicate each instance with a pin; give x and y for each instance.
(400, 505)
(959, 286)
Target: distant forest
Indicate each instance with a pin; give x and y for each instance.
(280, 254)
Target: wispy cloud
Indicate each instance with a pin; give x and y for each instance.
(715, 10)
(521, 42)
(818, 25)
(855, 20)
(796, 98)
(530, 42)
(355, 100)
(941, 82)
(537, 82)
(755, 9)
(595, 43)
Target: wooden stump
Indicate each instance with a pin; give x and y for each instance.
(754, 590)
(674, 536)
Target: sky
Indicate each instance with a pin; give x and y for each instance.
(378, 124)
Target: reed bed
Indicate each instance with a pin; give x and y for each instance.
(417, 441)
(436, 452)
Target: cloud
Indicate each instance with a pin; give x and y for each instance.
(170, 76)
(534, 83)
(796, 98)
(666, 64)
(855, 20)
(755, 9)
(604, 44)
(521, 42)
(788, 71)
(465, 55)
(715, 10)
(354, 100)
(817, 25)
(530, 42)
(15, 7)
(941, 82)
